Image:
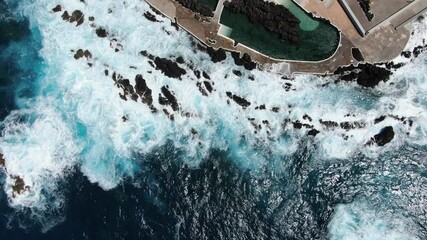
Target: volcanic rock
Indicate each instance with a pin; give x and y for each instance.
(171, 99)
(169, 68)
(313, 132)
(273, 17)
(367, 75)
(216, 55)
(142, 90)
(197, 7)
(239, 100)
(245, 61)
(101, 32)
(58, 8)
(383, 137)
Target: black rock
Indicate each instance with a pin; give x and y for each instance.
(216, 55)
(170, 98)
(383, 137)
(297, 125)
(205, 75)
(197, 73)
(352, 125)
(143, 90)
(169, 68)
(329, 124)
(239, 100)
(76, 16)
(380, 119)
(197, 7)
(406, 54)
(357, 54)
(150, 17)
(367, 75)
(180, 60)
(418, 50)
(237, 73)
(313, 132)
(273, 17)
(80, 53)
(208, 86)
(245, 61)
(101, 32)
(201, 89)
(58, 8)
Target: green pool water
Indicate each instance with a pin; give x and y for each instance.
(319, 39)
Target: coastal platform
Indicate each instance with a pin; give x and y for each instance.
(386, 39)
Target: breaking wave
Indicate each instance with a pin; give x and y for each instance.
(76, 119)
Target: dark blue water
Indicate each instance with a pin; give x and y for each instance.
(167, 199)
(19, 61)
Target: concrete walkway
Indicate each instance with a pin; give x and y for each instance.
(218, 11)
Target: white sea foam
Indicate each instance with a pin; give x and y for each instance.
(359, 221)
(77, 118)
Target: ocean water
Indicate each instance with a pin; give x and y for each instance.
(98, 167)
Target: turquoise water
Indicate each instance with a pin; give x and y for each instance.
(319, 39)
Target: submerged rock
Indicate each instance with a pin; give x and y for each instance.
(383, 137)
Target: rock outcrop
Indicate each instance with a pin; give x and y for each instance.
(367, 75)
(197, 7)
(77, 16)
(216, 55)
(366, 7)
(273, 17)
(244, 61)
(239, 100)
(383, 137)
(169, 68)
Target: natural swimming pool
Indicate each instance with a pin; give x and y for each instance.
(319, 39)
(210, 3)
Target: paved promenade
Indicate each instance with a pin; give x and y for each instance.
(383, 44)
